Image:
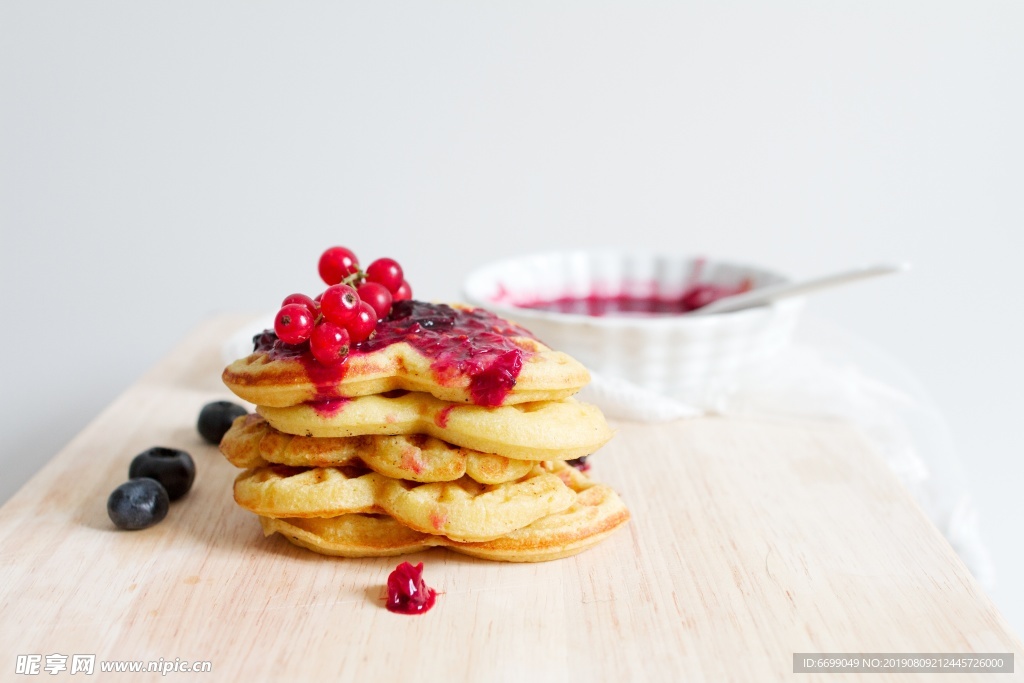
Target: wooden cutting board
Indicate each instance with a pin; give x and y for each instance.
(750, 540)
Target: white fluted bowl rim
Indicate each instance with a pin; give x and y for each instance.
(481, 284)
(692, 358)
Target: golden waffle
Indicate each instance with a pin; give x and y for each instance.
(251, 442)
(241, 443)
(462, 510)
(546, 430)
(595, 514)
(274, 378)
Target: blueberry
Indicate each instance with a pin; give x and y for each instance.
(138, 504)
(174, 469)
(215, 419)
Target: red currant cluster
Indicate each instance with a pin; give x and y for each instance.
(347, 311)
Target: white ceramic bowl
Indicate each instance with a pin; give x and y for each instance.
(691, 358)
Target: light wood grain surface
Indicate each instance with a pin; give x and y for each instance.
(750, 540)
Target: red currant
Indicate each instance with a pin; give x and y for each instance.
(363, 325)
(403, 293)
(336, 263)
(304, 300)
(387, 272)
(339, 304)
(293, 324)
(377, 295)
(329, 343)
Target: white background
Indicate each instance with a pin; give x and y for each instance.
(163, 162)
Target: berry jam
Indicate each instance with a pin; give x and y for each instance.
(441, 420)
(579, 463)
(407, 593)
(329, 407)
(476, 344)
(696, 296)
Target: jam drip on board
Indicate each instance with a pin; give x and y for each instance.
(459, 343)
(407, 592)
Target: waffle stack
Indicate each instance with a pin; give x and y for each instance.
(392, 452)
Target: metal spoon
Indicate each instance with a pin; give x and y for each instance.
(763, 295)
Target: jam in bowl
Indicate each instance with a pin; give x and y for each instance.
(623, 315)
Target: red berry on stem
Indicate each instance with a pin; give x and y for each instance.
(293, 323)
(387, 272)
(336, 263)
(377, 295)
(301, 299)
(403, 293)
(329, 343)
(363, 325)
(339, 304)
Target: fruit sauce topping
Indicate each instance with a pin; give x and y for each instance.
(459, 343)
(442, 417)
(329, 407)
(474, 343)
(407, 592)
(580, 463)
(696, 296)
(363, 311)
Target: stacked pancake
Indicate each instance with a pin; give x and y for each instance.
(450, 427)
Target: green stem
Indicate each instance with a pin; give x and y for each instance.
(353, 278)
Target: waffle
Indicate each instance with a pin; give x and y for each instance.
(462, 510)
(278, 377)
(546, 430)
(251, 442)
(595, 514)
(448, 427)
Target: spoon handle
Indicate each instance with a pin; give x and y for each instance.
(763, 295)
